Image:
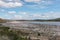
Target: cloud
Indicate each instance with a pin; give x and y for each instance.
(10, 4)
(17, 17)
(23, 13)
(20, 3)
(35, 1)
(11, 12)
(39, 16)
(29, 16)
(42, 4)
(47, 15)
(8, 0)
(40, 1)
(52, 15)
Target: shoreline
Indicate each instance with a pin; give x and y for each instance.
(44, 30)
(35, 27)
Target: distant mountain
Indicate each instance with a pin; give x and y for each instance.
(57, 19)
(5, 20)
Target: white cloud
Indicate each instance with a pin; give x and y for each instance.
(8, 0)
(52, 14)
(10, 4)
(17, 17)
(29, 16)
(32, 1)
(47, 1)
(39, 16)
(42, 4)
(11, 12)
(40, 1)
(36, 15)
(23, 13)
(36, 6)
(20, 3)
(48, 15)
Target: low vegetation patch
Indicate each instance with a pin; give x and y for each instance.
(12, 35)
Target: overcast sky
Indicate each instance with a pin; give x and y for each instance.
(29, 9)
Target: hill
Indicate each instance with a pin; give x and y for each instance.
(57, 19)
(2, 20)
(5, 20)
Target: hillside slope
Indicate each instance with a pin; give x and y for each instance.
(2, 20)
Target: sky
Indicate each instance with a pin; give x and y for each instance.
(29, 9)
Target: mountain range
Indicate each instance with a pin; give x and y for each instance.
(5, 20)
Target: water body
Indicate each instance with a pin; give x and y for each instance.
(30, 23)
(49, 23)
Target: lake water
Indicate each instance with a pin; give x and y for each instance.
(49, 23)
(27, 23)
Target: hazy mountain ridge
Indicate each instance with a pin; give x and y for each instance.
(5, 20)
(57, 19)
